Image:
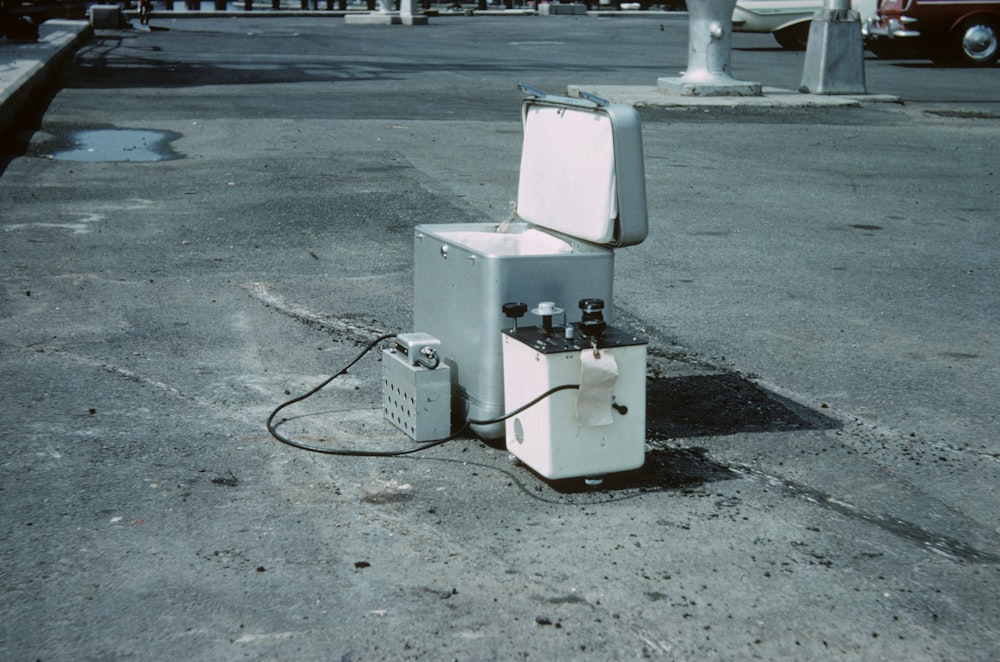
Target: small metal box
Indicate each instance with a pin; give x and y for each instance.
(581, 193)
(416, 399)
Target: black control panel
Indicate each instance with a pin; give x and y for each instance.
(570, 338)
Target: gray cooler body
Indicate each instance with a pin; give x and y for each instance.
(464, 273)
(581, 193)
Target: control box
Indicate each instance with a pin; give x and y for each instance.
(416, 389)
(597, 429)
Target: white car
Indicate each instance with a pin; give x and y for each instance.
(787, 20)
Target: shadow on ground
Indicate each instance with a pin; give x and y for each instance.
(666, 469)
(685, 407)
(720, 404)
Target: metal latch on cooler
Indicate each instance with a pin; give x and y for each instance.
(595, 101)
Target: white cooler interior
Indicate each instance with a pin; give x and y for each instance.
(567, 180)
(523, 241)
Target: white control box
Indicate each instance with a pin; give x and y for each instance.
(596, 430)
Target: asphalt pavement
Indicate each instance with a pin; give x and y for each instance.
(202, 221)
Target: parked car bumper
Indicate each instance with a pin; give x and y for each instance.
(765, 17)
(893, 28)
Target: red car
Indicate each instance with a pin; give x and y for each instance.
(943, 30)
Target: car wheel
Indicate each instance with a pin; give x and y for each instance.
(976, 42)
(794, 37)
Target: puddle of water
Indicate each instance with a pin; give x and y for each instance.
(119, 145)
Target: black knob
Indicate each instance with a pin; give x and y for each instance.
(592, 324)
(515, 309)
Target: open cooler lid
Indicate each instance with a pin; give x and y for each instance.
(582, 170)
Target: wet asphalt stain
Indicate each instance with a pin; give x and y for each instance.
(665, 469)
(227, 480)
(965, 114)
(112, 145)
(948, 547)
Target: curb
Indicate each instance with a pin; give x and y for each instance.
(34, 66)
(773, 97)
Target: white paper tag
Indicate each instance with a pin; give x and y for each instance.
(597, 383)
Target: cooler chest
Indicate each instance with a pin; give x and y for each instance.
(581, 193)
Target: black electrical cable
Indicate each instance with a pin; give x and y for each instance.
(423, 446)
(528, 405)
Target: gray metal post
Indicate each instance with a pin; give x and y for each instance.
(835, 55)
(710, 28)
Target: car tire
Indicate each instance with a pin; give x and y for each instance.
(794, 37)
(976, 42)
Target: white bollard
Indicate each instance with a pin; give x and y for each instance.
(835, 55)
(385, 15)
(710, 28)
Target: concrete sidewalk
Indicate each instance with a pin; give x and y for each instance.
(26, 68)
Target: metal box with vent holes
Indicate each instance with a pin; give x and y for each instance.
(416, 398)
(581, 194)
